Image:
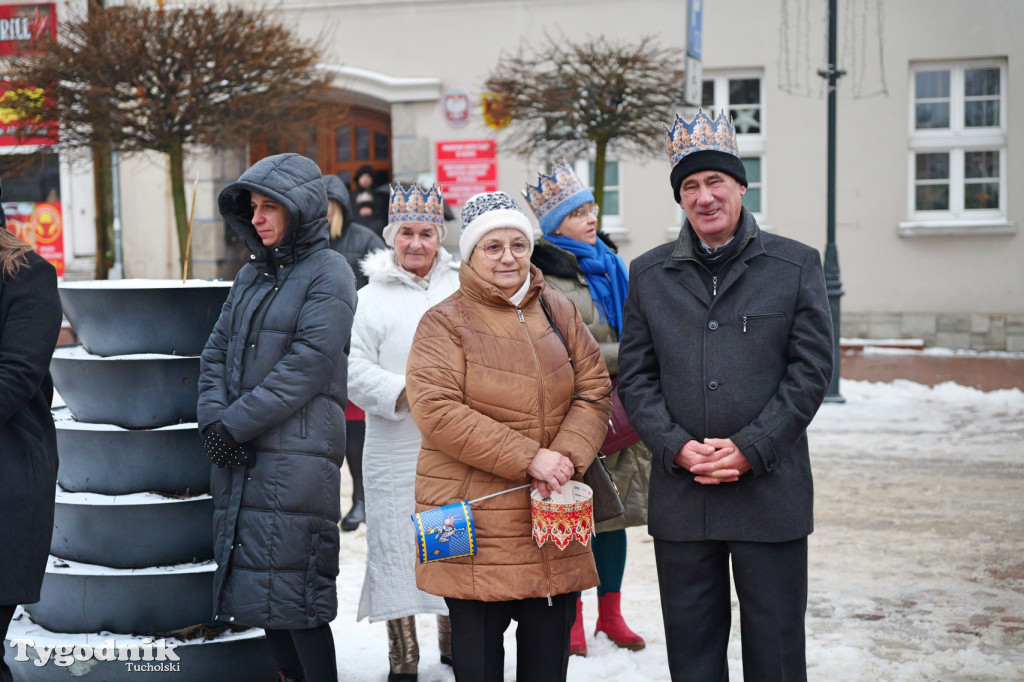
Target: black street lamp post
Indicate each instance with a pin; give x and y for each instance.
(833, 285)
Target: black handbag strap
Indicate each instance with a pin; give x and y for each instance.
(554, 327)
(558, 333)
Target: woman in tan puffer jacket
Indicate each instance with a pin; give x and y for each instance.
(497, 401)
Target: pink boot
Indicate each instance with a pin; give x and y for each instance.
(610, 622)
(578, 637)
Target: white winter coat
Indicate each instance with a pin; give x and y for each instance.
(389, 310)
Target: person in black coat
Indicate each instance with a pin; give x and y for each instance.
(370, 199)
(348, 237)
(725, 356)
(353, 241)
(30, 319)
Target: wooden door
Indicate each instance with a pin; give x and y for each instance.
(356, 137)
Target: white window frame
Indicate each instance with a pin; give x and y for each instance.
(748, 144)
(956, 140)
(611, 223)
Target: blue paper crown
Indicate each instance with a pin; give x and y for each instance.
(416, 205)
(555, 196)
(701, 134)
(552, 190)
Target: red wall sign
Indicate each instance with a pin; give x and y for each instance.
(24, 29)
(465, 168)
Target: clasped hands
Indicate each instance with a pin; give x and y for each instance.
(223, 450)
(550, 470)
(716, 460)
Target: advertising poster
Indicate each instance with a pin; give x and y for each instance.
(41, 225)
(24, 29)
(42, 133)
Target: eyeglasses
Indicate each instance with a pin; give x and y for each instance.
(585, 211)
(495, 250)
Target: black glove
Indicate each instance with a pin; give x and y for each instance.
(225, 451)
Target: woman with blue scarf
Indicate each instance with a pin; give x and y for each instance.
(582, 263)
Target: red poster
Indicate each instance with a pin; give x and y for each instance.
(41, 226)
(25, 29)
(465, 168)
(44, 133)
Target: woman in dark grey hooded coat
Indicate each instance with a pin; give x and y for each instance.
(272, 394)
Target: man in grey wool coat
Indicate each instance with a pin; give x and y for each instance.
(725, 356)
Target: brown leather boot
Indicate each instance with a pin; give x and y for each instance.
(444, 639)
(403, 649)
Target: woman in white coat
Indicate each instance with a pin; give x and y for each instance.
(404, 282)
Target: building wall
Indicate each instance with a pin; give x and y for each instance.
(961, 290)
(945, 274)
(459, 42)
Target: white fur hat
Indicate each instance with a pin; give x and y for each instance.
(490, 211)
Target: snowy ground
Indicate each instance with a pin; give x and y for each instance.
(916, 567)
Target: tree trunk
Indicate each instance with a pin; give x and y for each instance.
(600, 154)
(177, 157)
(103, 195)
(103, 187)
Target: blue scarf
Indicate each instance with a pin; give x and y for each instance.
(605, 273)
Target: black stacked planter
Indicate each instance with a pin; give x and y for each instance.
(132, 542)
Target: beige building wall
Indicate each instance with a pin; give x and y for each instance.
(962, 287)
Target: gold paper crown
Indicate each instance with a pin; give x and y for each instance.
(552, 190)
(701, 134)
(416, 205)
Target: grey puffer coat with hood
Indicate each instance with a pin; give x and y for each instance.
(274, 372)
(356, 240)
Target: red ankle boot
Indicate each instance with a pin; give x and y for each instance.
(578, 636)
(610, 622)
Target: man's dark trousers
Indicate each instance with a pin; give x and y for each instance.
(771, 585)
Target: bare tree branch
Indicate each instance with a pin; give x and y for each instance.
(145, 78)
(564, 97)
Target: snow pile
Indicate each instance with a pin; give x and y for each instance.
(916, 566)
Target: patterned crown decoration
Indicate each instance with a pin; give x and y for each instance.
(701, 134)
(416, 205)
(553, 190)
